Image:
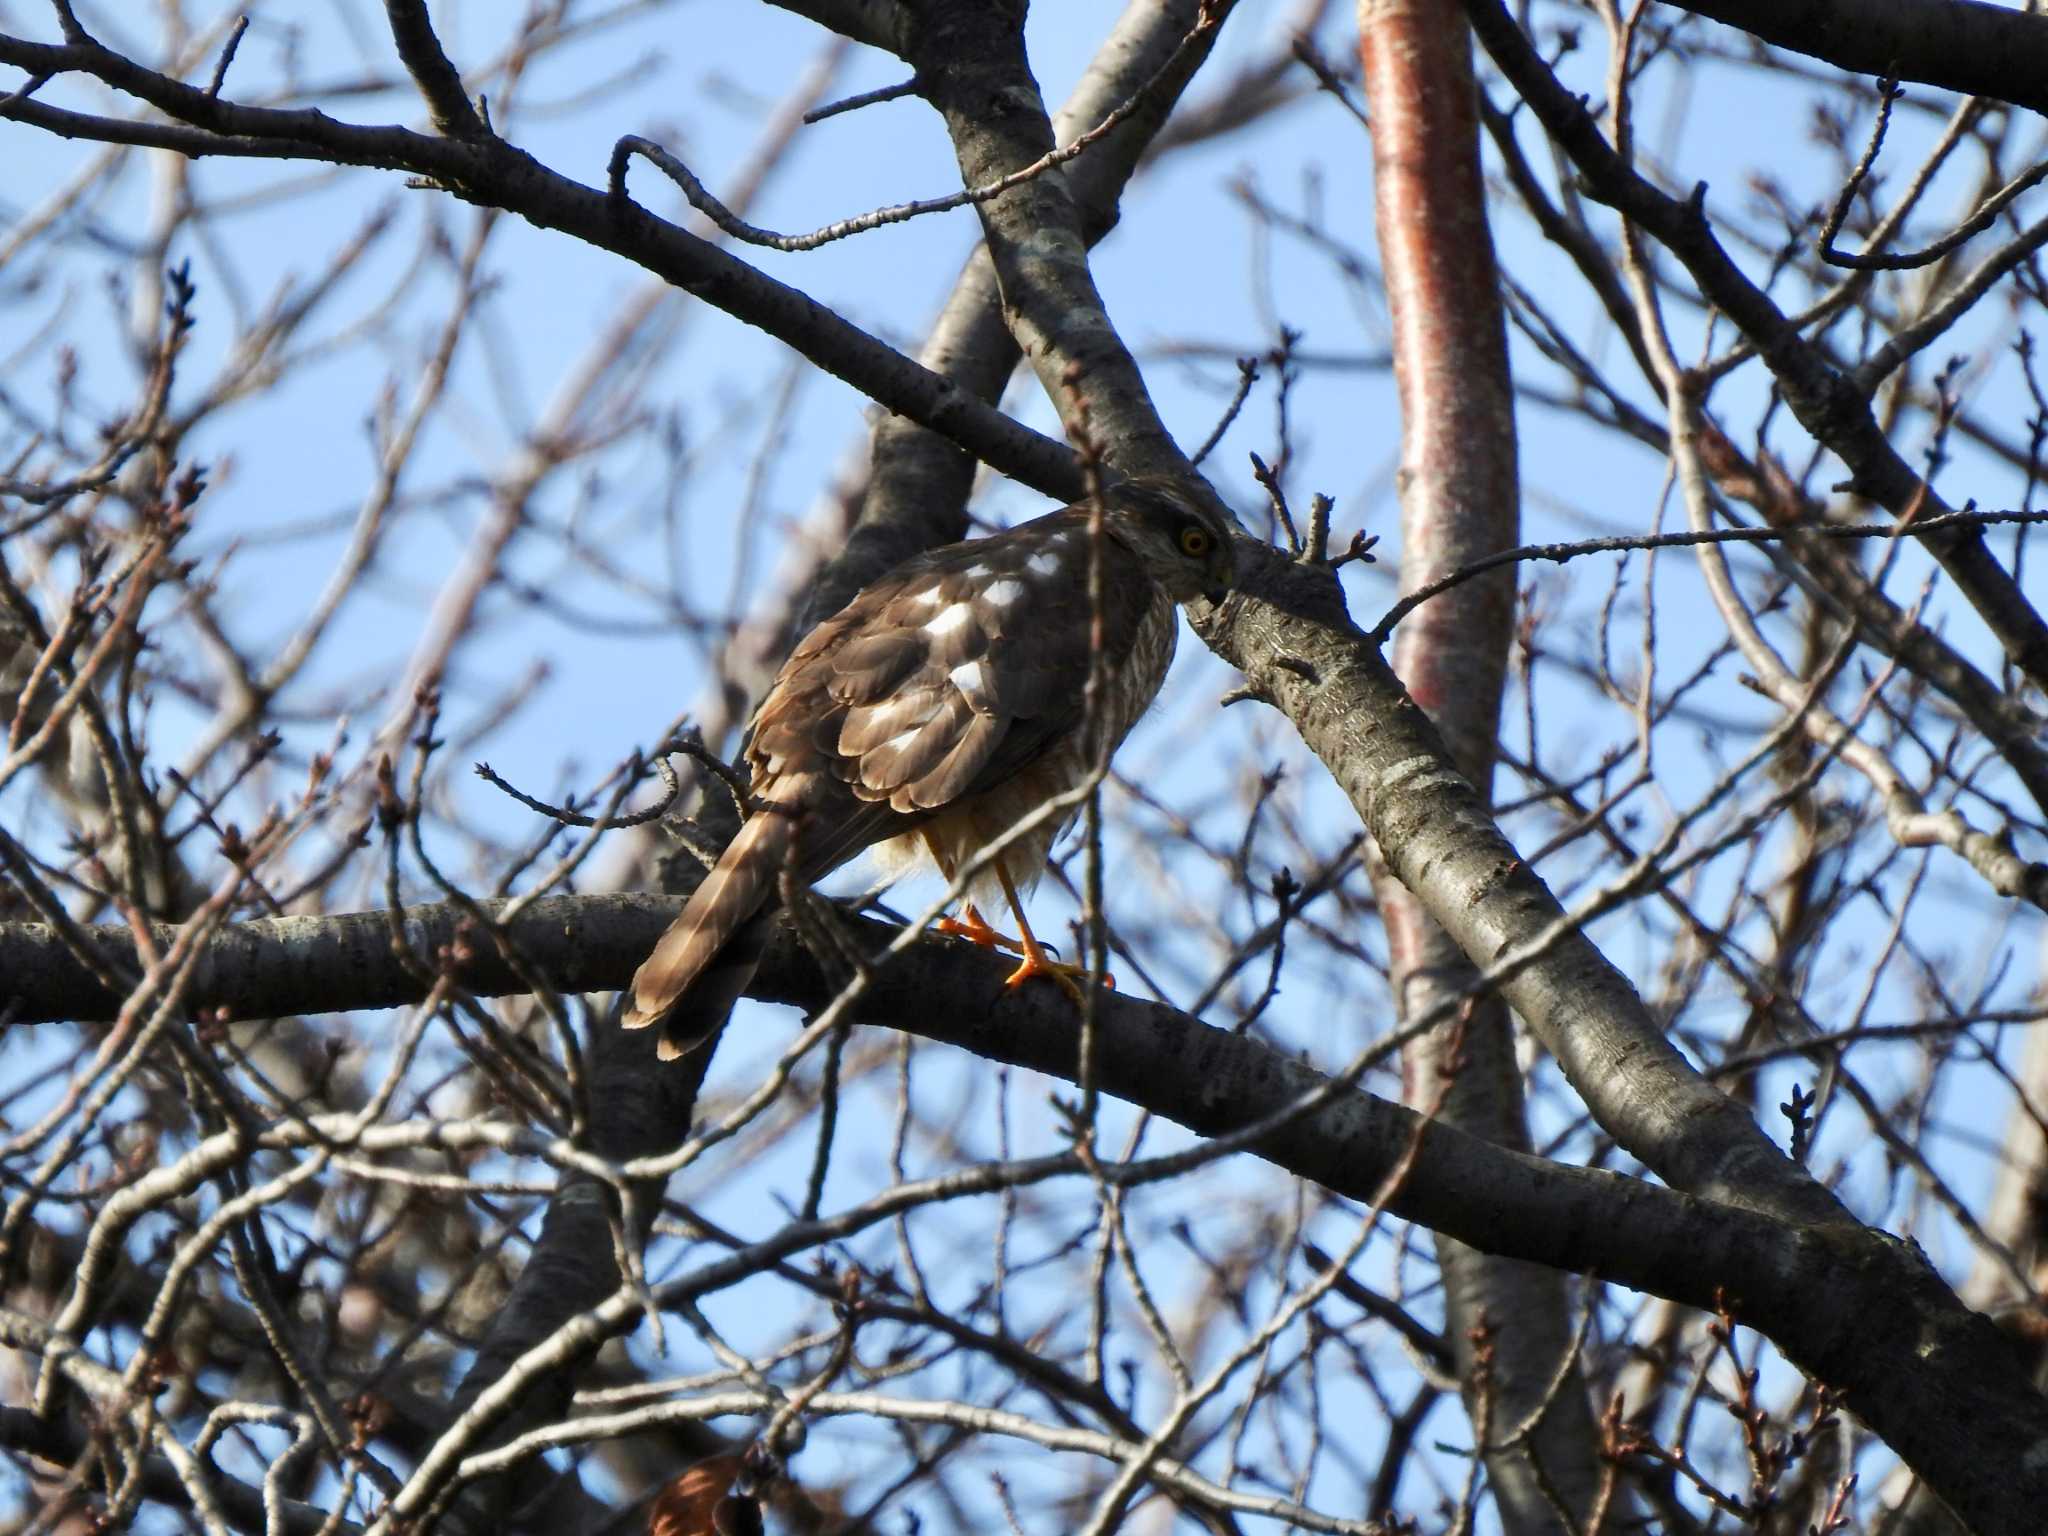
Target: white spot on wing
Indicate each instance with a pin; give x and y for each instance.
(976, 571)
(926, 600)
(1004, 594)
(970, 680)
(955, 618)
(1042, 565)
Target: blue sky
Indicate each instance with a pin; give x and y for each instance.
(1186, 265)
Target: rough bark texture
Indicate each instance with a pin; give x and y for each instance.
(972, 58)
(1286, 629)
(647, 1110)
(919, 479)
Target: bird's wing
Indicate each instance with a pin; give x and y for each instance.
(972, 663)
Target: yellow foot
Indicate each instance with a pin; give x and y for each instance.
(974, 929)
(1069, 977)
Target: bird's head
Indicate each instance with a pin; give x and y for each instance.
(1178, 530)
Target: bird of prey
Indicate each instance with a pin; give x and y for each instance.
(937, 709)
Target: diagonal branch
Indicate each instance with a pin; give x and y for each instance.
(1959, 45)
(972, 61)
(1286, 629)
(878, 23)
(439, 81)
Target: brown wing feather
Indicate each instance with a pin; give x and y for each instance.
(968, 665)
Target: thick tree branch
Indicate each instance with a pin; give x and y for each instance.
(1958, 45)
(972, 61)
(918, 479)
(647, 1110)
(880, 24)
(1286, 629)
(412, 29)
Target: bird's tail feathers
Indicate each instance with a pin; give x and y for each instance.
(703, 963)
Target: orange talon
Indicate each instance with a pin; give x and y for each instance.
(975, 929)
(1035, 962)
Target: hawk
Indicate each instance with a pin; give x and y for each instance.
(933, 712)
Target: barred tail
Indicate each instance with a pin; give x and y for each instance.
(707, 957)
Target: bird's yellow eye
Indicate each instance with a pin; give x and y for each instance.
(1195, 542)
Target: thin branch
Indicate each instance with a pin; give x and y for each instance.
(672, 786)
(752, 234)
(227, 56)
(1247, 376)
(1870, 260)
(1576, 549)
(438, 79)
(894, 92)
